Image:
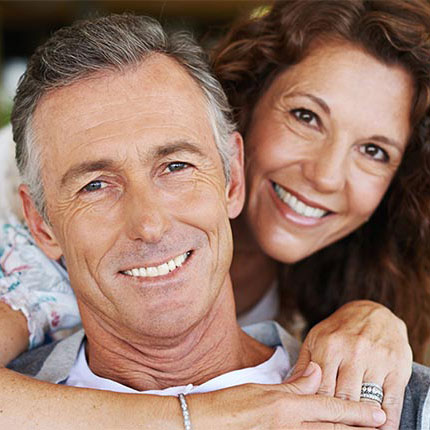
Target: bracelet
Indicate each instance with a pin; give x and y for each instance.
(185, 412)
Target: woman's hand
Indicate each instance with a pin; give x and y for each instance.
(291, 405)
(361, 342)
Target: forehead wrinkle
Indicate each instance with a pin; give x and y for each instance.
(137, 116)
(156, 121)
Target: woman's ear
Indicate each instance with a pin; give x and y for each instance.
(40, 229)
(235, 191)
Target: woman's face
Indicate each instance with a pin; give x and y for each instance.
(324, 143)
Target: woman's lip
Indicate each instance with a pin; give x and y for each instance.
(293, 216)
(303, 199)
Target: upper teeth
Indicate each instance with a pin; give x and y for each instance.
(297, 205)
(160, 270)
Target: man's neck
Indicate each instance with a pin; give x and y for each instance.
(212, 346)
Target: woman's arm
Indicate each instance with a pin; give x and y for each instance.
(14, 333)
(262, 407)
(79, 408)
(362, 341)
(35, 286)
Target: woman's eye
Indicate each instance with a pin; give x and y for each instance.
(94, 186)
(307, 116)
(375, 152)
(176, 166)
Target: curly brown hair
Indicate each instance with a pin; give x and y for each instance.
(388, 258)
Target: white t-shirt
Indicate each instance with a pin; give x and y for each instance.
(272, 371)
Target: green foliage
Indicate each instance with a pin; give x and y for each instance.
(5, 111)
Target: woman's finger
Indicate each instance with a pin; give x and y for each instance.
(329, 376)
(331, 426)
(374, 376)
(394, 391)
(349, 380)
(331, 410)
(301, 364)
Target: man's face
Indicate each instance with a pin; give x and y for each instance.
(136, 197)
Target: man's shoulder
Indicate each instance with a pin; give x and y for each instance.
(52, 362)
(416, 406)
(270, 333)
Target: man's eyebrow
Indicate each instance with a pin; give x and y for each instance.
(178, 146)
(87, 167)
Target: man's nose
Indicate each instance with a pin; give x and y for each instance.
(147, 218)
(326, 168)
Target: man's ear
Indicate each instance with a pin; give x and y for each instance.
(40, 229)
(236, 186)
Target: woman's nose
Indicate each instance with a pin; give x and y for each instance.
(326, 168)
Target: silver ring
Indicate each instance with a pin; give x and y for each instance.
(372, 391)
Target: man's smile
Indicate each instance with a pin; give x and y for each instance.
(161, 269)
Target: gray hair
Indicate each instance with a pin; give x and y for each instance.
(112, 42)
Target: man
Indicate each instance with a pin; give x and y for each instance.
(132, 171)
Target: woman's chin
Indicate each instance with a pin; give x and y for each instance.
(287, 249)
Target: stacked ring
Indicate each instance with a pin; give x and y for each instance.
(372, 391)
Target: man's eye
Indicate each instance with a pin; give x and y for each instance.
(375, 152)
(306, 116)
(94, 186)
(176, 166)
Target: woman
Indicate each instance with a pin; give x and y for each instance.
(389, 245)
(319, 203)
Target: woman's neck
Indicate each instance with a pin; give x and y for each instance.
(253, 272)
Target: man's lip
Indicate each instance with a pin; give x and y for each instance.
(305, 200)
(137, 265)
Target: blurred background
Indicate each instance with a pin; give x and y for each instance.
(26, 24)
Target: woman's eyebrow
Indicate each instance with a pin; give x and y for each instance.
(387, 141)
(315, 99)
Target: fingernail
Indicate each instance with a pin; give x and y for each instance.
(379, 416)
(310, 369)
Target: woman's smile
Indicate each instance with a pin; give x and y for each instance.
(298, 204)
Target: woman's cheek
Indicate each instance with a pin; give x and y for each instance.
(367, 195)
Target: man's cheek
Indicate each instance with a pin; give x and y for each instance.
(199, 203)
(92, 236)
